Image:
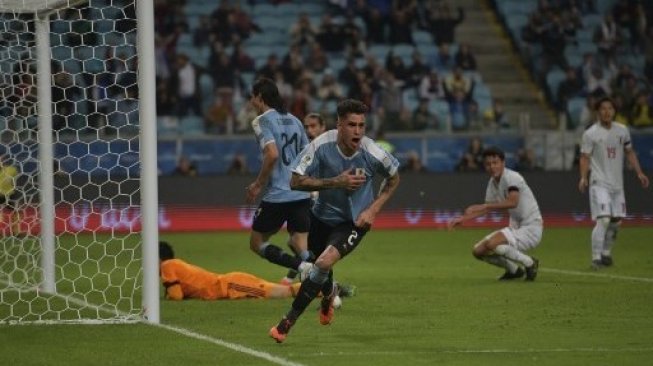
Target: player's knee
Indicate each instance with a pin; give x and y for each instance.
(603, 221)
(479, 250)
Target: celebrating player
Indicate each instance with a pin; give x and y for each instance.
(281, 137)
(507, 190)
(340, 164)
(603, 147)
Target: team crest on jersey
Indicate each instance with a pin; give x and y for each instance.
(306, 160)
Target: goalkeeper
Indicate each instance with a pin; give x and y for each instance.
(9, 195)
(183, 280)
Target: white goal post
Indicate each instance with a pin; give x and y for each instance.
(79, 227)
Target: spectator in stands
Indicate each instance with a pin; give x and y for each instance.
(317, 59)
(285, 89)
(621, 114)
(442, 23)
(423, 118)
(598, 83)
(396, 66)
(495, 117)
(413, 164)
(347, 76)
(270, 68)
(628, 93)
(329, 89)
(389, 103)
(355, 46)
(417, 70)
(244, 118)
(587, 114)
(303, 99)
(202, 34)
(400, 28)
(187, 87)
(221, 70)
(630, 15)
(243, 22)
(458, 82)
(472, 159)
(302, 32)
(9, 195)
(647, 48)
(458, 110)
(642, 112)
(293, 65)
(166, 101)
(240, 60)
(219, 117)
(443, 61)
(375, 24)
(383, 142)
(329, 35)
(607, 38)
(238, 165)
(465, 59)
(185, 168)
(430, 87)
(525, 160)
(570, 87)
(161, 61)
(553, 41)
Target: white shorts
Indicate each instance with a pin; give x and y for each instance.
(607, 202)
(523, 238)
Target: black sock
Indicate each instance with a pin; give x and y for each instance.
(307, 292)
(327, 288)
(275, 255)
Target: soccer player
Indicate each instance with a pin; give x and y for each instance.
(281, 137)
(603, 148)
(341, 164)
(183, 280)
(505, 248)
(314, 126)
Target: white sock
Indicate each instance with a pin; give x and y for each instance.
(502, 262)
(513, 254)
(610, 236)
(598, 239)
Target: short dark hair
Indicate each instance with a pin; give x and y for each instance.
(317, 116)
(348, 106)
(494, 151)
(268, 91)
(598, 103)
(165, 251)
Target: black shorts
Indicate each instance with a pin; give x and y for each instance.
(270, 216)
(344, 237)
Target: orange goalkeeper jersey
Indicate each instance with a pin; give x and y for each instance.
(186, 281)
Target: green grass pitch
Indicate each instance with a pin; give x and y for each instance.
(422, 300)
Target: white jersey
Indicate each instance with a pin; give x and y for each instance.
(606, 150)
(527, 211)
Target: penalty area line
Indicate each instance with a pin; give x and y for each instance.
(232, 346)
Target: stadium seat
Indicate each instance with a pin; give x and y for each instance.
(574, 108)
(422, 37)
(553, 80)
(192, 125)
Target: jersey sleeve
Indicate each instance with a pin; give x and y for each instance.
(627, 141)
(263, 131)
(586, 145)
(305, 163)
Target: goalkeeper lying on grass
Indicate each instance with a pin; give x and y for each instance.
(186, 281)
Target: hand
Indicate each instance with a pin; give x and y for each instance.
(349, 180)
(474, 209)
(582, 185)
(643, 179)
(454, 222)
(251, 192)
(365, 219)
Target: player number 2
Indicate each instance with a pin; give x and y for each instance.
(352, 237)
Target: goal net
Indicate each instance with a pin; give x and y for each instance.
(71, 239)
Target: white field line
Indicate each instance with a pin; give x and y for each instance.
(598, 274)
(182, 331)
(481, 351)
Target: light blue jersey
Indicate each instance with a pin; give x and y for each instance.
(323, 159)
(287, 133)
